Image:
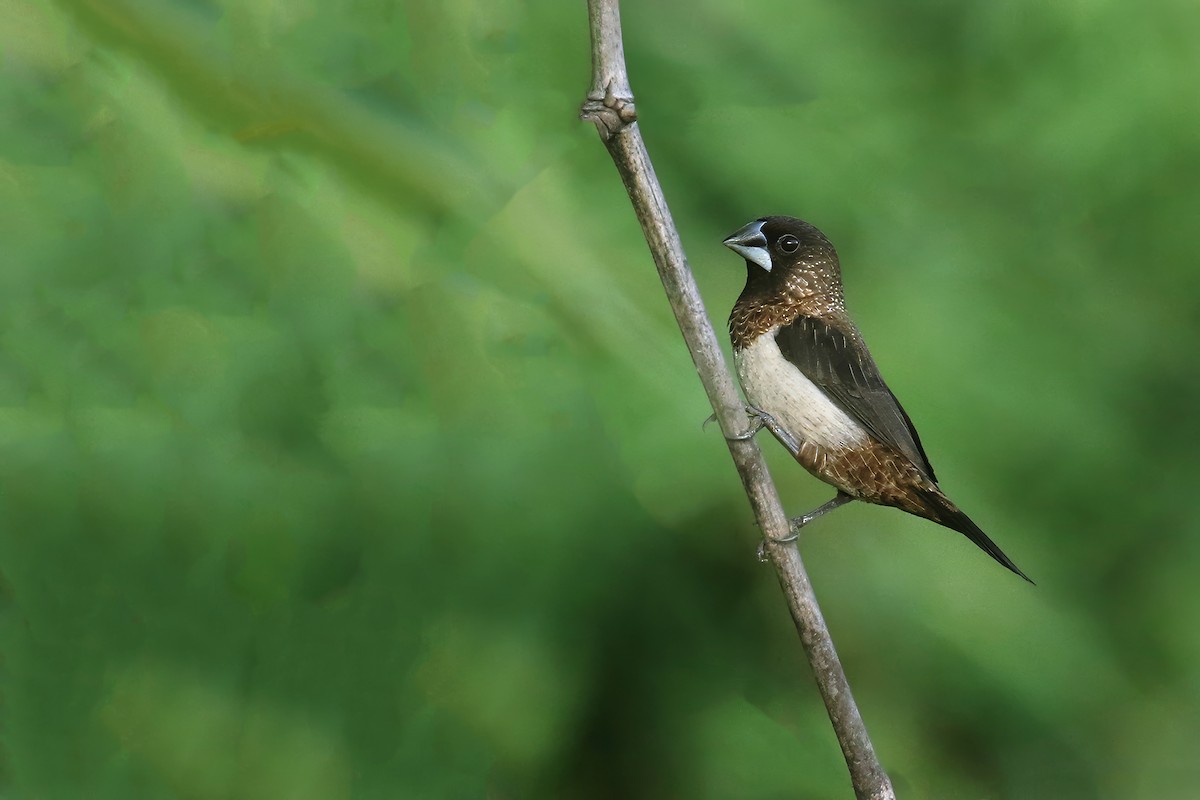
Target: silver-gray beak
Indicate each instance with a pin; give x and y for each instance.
(751, 244)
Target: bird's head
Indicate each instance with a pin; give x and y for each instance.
(776, 244)
(788, 263)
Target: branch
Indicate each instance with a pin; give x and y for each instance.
(610, 107)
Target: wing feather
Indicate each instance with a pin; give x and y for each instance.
(842, 367)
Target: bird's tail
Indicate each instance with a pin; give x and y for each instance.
(941, 510)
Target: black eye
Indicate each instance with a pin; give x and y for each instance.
(788, 243)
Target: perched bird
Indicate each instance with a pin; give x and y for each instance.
(809, 379)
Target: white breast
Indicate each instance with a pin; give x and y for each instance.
(773, 384)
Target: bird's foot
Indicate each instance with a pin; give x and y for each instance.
(759, 419)
(796, 523)
(761, 552)
(791, 537)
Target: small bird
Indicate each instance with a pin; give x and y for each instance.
(810, 380)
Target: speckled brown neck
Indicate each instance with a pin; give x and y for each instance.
(810, 287)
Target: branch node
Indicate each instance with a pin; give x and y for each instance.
(609, 113)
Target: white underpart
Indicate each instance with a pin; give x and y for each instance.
(775, 385)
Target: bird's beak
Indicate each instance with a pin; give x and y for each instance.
(751, 244)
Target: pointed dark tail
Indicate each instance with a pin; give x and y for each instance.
(944, 512)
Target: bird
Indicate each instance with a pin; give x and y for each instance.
(809, 378)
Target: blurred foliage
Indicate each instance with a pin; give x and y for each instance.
(348, 449)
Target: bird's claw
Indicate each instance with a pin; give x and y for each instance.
(761, 554)
(759, 419)
(794, 525)
(791, 537)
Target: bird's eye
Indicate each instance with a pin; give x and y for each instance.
(788, 243)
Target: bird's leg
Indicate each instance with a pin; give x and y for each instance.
(760, 419)
(839, 500)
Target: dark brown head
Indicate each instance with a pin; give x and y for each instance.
(791, 269)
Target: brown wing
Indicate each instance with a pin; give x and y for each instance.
(842, 367)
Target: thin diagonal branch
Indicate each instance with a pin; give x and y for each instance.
(610, 107)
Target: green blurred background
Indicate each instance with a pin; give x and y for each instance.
(348, 448)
